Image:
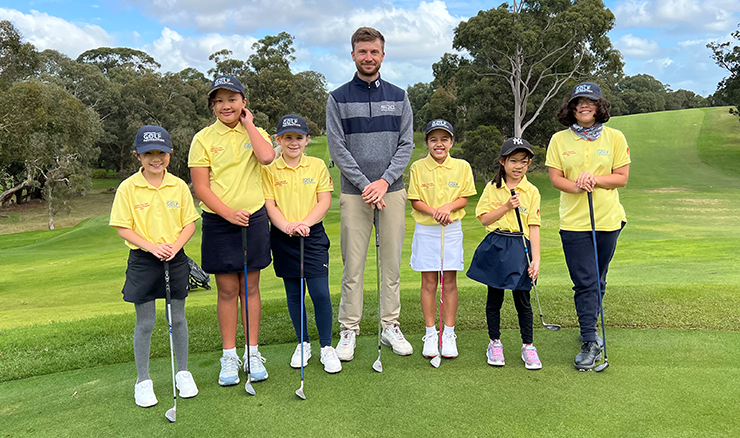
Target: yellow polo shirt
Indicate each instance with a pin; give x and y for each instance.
(156, 214)
(573, 155)
(294, 189)
(439, 184)
(234, 170)
(494, 197)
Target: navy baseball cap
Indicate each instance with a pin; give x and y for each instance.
(439, 124)
(228, 83)
(152, 138)
(513, 144)
(292, 123)
(586, 89)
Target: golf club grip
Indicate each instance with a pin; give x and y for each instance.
(302, 248)
(376, 220)
(591, 209)
(244, 244)
(167, 281)
(518, 217)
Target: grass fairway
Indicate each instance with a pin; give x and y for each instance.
(65, 329)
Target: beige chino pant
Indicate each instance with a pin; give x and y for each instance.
(356, 228)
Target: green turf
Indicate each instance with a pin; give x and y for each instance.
(681, 389)
(675, 269)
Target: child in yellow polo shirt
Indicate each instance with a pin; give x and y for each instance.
(500, 261)
(297, 196)
(154, 213)
(439, 187)
(225, 164)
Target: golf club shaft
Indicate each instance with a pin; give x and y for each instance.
(377, 274)
(598, 275)
(168, 299)
(246, 300)
(302, 309)
(441, 287)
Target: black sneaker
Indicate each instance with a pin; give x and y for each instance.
(589, 355)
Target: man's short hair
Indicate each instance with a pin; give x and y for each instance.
(367, 34)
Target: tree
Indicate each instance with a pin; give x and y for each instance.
(537, 48)
(120, 63)
(18, 60)
(727, 56)
(481, 150)
(419, 95)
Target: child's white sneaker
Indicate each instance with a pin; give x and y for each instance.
(144, 394)
(229, 374)
(431, 348)
(330, 360)
(186, 384)
(295, 361)
(449, 345)
(256, 361)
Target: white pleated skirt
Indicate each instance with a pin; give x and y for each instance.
(426, 248)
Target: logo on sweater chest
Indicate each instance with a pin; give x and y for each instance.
(388, 107)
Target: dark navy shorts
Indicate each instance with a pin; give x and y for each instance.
(286, 251)
(500, 262)
(221, 246)
(145, 277)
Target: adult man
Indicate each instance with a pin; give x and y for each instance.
(370, 133)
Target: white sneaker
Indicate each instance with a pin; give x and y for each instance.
(144, 394)
(449, 345)
(330, 360)
(295, 361)
(259, 373)
(431, 348)
(229, 370)
(346, 346)
(392, 336)
(186, 384)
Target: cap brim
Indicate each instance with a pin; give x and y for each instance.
(285, 131)
(589, 95)
(154, 147)
(233, 89)
(439, 128)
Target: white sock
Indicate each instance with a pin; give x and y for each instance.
(230, 352)
(253, 349)
(431, 330)
(449, 330)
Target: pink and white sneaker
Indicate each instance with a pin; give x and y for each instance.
(495, 353)
(530, 358)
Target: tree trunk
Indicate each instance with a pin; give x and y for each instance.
(50, 209)
(7, 195)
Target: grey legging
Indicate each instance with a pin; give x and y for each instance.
(145, 316)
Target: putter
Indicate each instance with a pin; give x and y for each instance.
(171, 414)
(299, 391)
(437, 360)
(377, 365)
(603, 366)
(553, 327)
(247, 386)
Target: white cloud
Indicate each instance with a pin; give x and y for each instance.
(681, 15)
(634, 47)
(633, 13)
(48, 32)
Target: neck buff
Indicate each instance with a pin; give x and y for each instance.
(590, 134)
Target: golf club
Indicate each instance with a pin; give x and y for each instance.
(437, 360)
(171, 414)
(603, 366)
(299, 391)
(377, 365)
(553, 327)
(247, 386)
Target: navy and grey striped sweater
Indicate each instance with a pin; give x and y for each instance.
(369, 127)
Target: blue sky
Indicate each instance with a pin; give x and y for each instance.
(664, 38)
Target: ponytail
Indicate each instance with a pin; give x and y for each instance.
(500, 176)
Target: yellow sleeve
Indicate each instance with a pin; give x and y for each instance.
(325, 183)
(621, 151)
(468, 188)
(533, 213)
(484, 204)
(188, 213)
(198, 156)
(553, 154)
(264, 134)
(120, 215)
(413, 193)
(268, 184)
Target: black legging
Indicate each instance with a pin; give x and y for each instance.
(523, 309)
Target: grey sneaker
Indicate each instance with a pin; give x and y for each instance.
(589, 355)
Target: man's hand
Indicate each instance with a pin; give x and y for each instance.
(373, 193)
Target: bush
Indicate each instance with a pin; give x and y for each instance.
(98, 173)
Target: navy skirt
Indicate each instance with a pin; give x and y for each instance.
(221, 247)
(500, 262)
(287, 253)
(145, 277)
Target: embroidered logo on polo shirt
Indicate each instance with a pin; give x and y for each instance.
(387, 107)
(496, 204)
(453, 185)
(569, 153)
(247, 145)
(427, 185)
(281, 183)
(172, 204)
(141, 206)
(308, 181)
(216, 149)
(603, 153)
(628, 151)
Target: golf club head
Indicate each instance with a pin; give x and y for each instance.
(553, 327)
(602, 367)
(436, 360)
(299, 392)
(377, 366)
(171, 415)
(248, 387)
